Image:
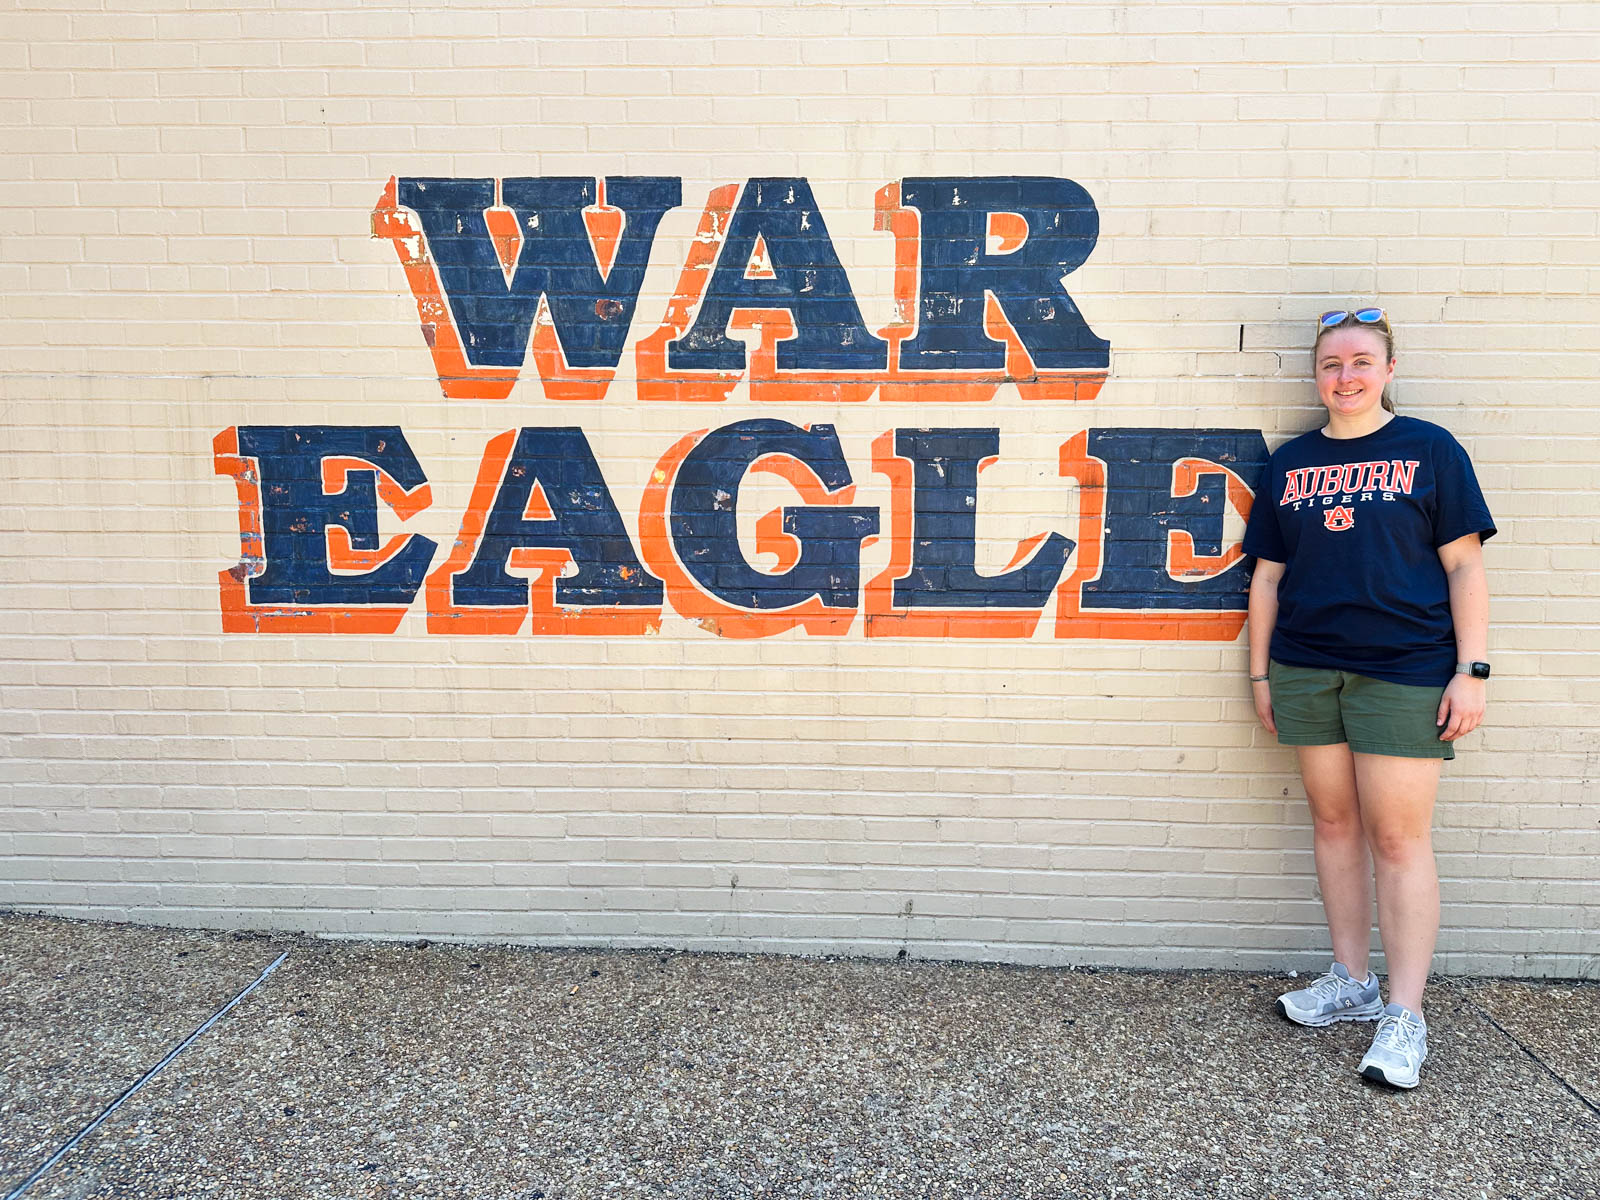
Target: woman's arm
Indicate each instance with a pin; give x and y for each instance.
(1263, 619)
(1465, 698)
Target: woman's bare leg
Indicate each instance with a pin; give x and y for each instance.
(1343, 869)
(1397, 796)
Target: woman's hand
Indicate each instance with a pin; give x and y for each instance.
(1460, 709)
(1261, 693)
(1263, 616)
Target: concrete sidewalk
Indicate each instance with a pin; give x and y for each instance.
(366, 1070)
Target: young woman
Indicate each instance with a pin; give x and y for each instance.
(1369, 622)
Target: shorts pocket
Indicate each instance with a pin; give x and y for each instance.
(1393, 718)
(1305, 705)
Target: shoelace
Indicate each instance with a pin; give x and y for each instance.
(1327, 987)
(1396, 1033)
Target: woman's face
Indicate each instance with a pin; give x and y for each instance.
(1352, 371)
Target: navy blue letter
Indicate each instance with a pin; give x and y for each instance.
(957, 269)
(295, 515)
(705, 505)
(1140, 511)
(944, 529)
(592, 314)
(586, 525)
(806, 279)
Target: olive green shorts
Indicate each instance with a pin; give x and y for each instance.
(1316, 707)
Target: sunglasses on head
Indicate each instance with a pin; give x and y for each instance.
(1367, 316)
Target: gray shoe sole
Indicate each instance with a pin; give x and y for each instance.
(1368, 1012)
(1376, 1075)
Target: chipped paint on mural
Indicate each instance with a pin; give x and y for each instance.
(552, 269)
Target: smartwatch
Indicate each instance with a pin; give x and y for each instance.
(1478, 670)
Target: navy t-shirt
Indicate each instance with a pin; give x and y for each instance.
(1357, 523)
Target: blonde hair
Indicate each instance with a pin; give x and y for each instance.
(1381, 328)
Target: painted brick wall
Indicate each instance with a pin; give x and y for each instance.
(187, 248)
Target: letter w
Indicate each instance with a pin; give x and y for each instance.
(579, 246)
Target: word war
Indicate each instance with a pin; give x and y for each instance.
(544, 548)
(555, 266)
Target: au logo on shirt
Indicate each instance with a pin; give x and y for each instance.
(1339, 519)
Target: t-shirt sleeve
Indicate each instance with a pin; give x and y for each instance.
(1461, 508)
(1262, 537)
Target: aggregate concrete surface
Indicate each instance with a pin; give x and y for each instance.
(385, 1069)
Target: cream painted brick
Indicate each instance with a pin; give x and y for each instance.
(187, 250)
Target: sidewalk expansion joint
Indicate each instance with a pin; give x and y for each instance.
(1520, 1045)
(66, 1147)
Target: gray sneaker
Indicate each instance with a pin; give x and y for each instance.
(1334, 997)
(1399, 1048)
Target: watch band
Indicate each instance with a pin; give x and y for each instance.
(1478, 670)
